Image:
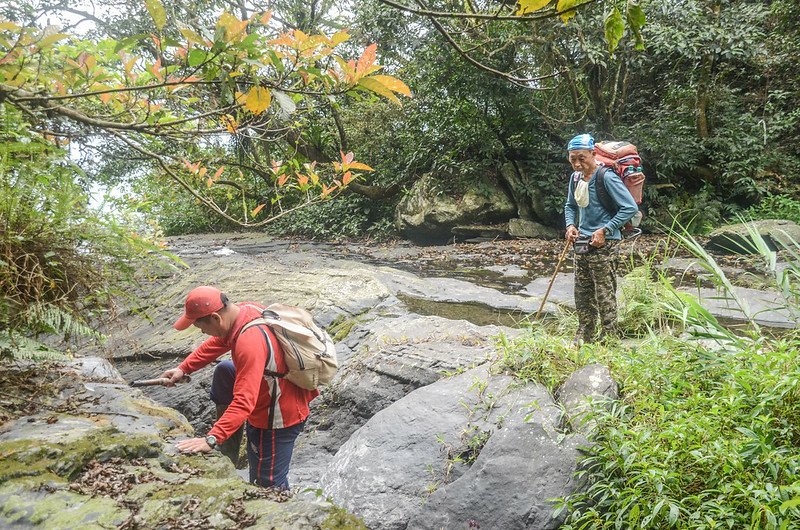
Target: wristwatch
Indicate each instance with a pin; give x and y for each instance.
(211, 441)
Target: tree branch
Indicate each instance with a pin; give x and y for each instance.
(423, 11)
(519, 81)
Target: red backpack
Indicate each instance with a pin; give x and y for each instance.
(622, 158)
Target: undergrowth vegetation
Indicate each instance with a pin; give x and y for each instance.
(776, 206)
(61, 262)
(706, 431)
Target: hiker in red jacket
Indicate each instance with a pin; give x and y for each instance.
(245, 389)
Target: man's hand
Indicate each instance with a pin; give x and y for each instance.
(174, 375)
(598, 238)
(572, 233)
(193, 445)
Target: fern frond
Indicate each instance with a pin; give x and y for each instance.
(21, 348)
(49, 318)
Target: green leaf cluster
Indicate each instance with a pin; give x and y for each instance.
(62, 263)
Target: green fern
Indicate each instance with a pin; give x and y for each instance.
(48, 318)
(21, 348)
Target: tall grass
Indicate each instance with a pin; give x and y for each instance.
(706, 433)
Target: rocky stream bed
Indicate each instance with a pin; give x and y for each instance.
(416, 431)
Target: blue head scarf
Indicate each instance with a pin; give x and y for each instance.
(582, 141)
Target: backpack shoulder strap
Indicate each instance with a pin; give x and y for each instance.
(602, 191)
(263, 322)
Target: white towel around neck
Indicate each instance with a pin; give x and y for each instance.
(582, 192)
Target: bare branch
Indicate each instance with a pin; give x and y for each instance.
(423, 11)
(519, 81)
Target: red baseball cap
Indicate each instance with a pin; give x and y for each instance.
(200, 302)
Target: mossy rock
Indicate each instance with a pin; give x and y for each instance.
(23, 506)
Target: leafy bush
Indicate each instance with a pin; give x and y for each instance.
(699, 212)
(775, 207)
(61, 263)
(641, 304)
(700, 440)
(344, 217)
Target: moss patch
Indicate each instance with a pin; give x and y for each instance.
(339, 519)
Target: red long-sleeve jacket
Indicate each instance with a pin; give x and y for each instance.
(265, 402)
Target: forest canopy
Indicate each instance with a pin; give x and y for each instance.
(223, 114)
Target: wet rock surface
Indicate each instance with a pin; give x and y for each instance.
(416, 330)
(90, 452)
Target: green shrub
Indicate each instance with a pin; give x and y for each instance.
(345, 217)
(775, 207)
(61, 262)
(700, 440)
(641, 303)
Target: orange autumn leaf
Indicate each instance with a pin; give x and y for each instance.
(361, 166)
(282, 179)
(256, 210)
(326, 190)
(230, 123)
(156, 70)
(346, 178)
(191, 167)
(366, 60)
(393, 84)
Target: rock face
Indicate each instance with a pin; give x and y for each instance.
(97, 454)
(527, 228)
(586, 388)
(429, 213)
(469, 447)
(736, 239)
(390, 357)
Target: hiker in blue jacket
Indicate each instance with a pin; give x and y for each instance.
(594, 233)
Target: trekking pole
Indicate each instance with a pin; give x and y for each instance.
(555, 272)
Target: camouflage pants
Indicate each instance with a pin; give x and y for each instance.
(596, 292)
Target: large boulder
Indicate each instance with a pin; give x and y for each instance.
(91, 452)
(528, 228)
(429, 212)
(472, 446)
(267, 272)
(736, 239)
(388, 357)
(532, 200)
(588, 387)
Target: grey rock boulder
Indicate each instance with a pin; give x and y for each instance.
(472, 445)
(95, 453)
(587, 387)
(392, 356)
(430, 212)
(735, 238)
(528, 228)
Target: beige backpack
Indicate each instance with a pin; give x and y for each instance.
(308, 349)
